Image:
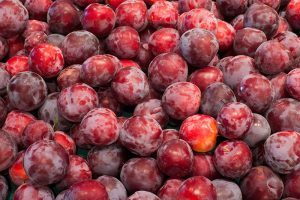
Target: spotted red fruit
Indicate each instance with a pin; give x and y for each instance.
(225, 35)
(278, 84)
(233, 159)
(227, 190)
(65, 141)
(169, 190)
(164, 40)
(114, 188)
(141, 134)
(290, 41)
(141, 174)
(4, 187)
(15, 123)
(272, 3)
(238, 22)
(170, 134)
(78, 171)
(87, 190)
(78, 138)
(27, 91)
(46, 60)
(271, 57)
(8, 151)
(132, 13)
(35, 26)
(106, 160)
(283, 26)
(197, 18)
(14, 18)
(108, 100)
(292, 13)
(69, 76)
(98, 19)
(17, 173)
(17, 64)
(123, 42)
(76, 101)
(46, 162)
(139, 195)
(166, 69)
(262, 17)
(197, 187)
(232, 8)
(203, 166)
(175, 158)
(198, 47)
(28, 190)
(38, 9)
(129, 63)
(144, 56)
(3, 48)
(130, 85)
(247, 40)
(187, 5)
(282, 153)
(163, 14)
(78, 46)
(33, 40)
(206, 76)
(268, 184)
(292, 83)
(63, 17)
(291, 183)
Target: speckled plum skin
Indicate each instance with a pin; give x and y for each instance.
(38, 9)
(132, 13)
(87, 190)
(78, 138)
(198, 47)
(69, 76)
(8, 150)
(114, 188)
(227, 190)
(197, 18)
(100, 127)
(262, 17)
(65, 141)
(163, 14)
(282, 153)
(3, 187)
(166, 69)
(175, 158)
(63, 17)
(238, 22)
(292, 14)
(279, 83)
(123, 42)
(271, 57)
(232, 8)
(197, 187)
(290, 185)
(130, 85)
(187, 5)
(78, 170)
(283, 115)
(231, 164)
(267, 184)
(35, 25)
(108, 100)
(34, 39)
(204, 166)
(290, 41)
(17, 64)
(181, 100)
(79, 46)
(46, 60)
(30, 191)
(139, 195)
(225, 34)
(27, 91)
(14, 18)
(247, 40)
(141, 174)
(292, 83)
(106, 160)
(46, 162)
(76, 101)
(164, 40)
(169, 190)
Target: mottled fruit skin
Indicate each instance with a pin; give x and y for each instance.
(282, 153)
(38, 9)
(267, 184)
(35, 26)
(78, 171)
(279, 83)
(198, 47)
(225, 35)
(114, 188)
(175, 158)
(187, 5)
(3, 187)
(100, 127)
(232, 8)
(87, 190)
(16, 171)
(290, 41)
(123, 42)
(181, 100)
(107, 160)
(130, 85)
(292, 83)
(14, 18)
(108, 100)
(139, 195)
(65, 141)
(69, 76)
(34, 39)
(204, 166)
(17, 64)
(169, 190)
(197, 187)
(227, 190)
(200, 131)
(98, 19)
(26, 91)
(76, 101)
(8, 150)
(141, 174)
(30, 191)
(290, 185)
(166, 69)
(292, 14)
(233, 159)
(262, 17)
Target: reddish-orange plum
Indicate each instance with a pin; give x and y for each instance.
(65, 141)
(17, 172)
(293, 14)
(17, 64)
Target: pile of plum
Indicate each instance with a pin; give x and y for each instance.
(149, 100)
